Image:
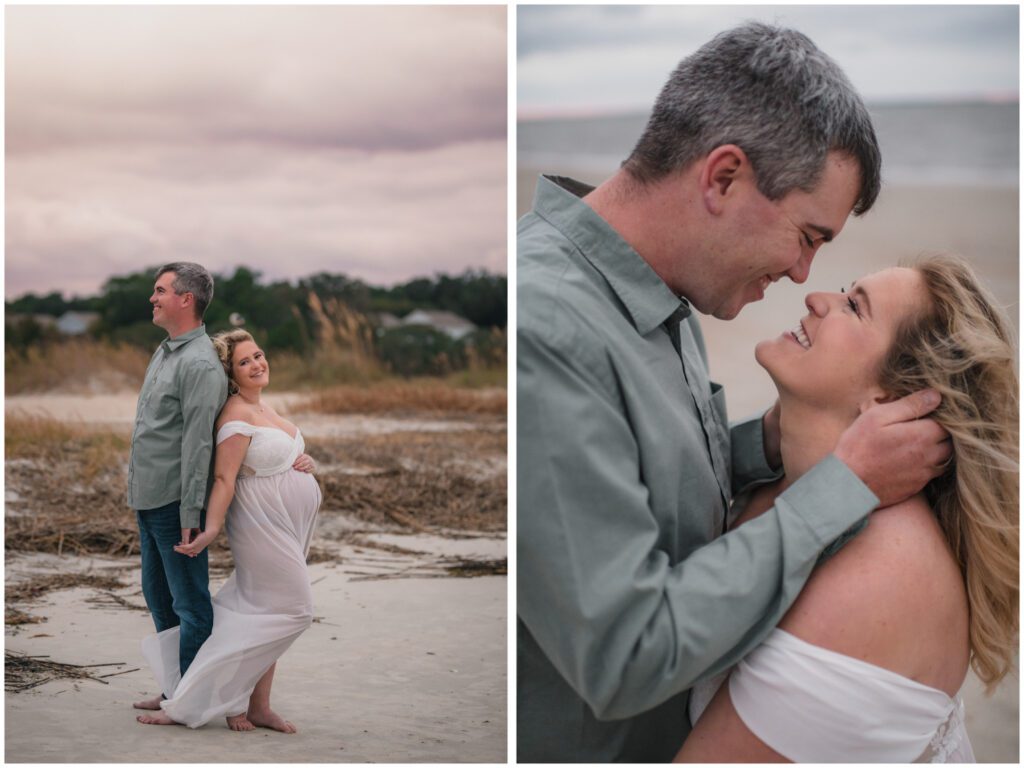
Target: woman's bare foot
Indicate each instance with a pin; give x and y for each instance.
(240, 723)
(158, 719)
(153, 703)
(268, 718)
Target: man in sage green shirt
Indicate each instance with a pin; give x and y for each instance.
(628, 591)
(170, 467)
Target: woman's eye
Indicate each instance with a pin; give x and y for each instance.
(809, 240)
(851, 302)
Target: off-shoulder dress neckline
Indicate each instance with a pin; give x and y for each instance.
(257, 426)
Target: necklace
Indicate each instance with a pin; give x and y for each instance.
(259, 408)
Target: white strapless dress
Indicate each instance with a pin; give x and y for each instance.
(813, 705)
(267, 602)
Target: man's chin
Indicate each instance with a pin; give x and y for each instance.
(729, 311)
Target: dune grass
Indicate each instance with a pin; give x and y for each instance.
(77, 366)
(419, 397)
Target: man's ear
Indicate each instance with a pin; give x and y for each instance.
(722, 167)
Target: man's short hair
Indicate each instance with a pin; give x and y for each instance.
(193, 278)
(771, 92)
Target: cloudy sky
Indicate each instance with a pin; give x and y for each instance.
(366, 141)
(584, 60)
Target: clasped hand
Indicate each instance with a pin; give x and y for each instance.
(198, 544)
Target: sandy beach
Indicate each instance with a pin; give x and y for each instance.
(405, 662)
(978, 222)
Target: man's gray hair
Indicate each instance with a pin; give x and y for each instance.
(771, 92)
(193, 278)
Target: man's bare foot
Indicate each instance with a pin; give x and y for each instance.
(153, 703)
(160, 719)
(240, 723)
(268, 718)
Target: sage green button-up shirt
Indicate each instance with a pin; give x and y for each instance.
(627, 590)
(172, 442)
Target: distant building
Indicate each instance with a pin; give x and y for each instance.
(439, 320)
(73, 323)
(385, 320)
(43, 321)
(382, 321)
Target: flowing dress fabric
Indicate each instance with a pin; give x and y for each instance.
(267, 602)
(813, 705)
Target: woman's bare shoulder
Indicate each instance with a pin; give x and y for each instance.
(893, 596)
(234, 409)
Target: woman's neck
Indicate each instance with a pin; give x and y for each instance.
(809, 434)
(251, 395)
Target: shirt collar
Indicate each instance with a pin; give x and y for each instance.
(179, 341)
(649, 301)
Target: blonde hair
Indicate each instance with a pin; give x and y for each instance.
(962, 345)
(225, 343)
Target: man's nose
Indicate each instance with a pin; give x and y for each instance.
(800, 271)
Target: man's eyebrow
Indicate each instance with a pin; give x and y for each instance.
(856, 289)
(826, 233)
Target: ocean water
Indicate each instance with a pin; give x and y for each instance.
(960, 143)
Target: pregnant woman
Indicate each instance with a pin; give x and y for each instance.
(267, 499)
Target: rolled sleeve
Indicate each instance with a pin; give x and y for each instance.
(202, 394)
(749, 464)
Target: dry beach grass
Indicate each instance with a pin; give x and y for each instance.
(414, 514)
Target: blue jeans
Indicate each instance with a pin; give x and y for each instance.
(176, 587)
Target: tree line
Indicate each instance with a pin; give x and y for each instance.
(298, 316)
(281, 309)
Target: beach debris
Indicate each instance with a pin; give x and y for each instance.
(32, 588)
(320, 555)
(110, 600)
(15, 617)
(23, 672)
(464, 568)
(444, 567)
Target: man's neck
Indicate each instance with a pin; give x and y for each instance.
(181, 330)
(654, 219)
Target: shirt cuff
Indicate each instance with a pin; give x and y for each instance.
(190, 517)
(749, 464)
(830, 499)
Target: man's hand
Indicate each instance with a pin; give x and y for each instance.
(895, 451)
(201, 542)
(187, 534)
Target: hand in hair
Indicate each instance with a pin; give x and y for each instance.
(894, 450)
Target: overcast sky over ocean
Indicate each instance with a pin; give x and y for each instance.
(597, 59)
(369, 141)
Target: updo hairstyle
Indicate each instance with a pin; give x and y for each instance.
(225, 343)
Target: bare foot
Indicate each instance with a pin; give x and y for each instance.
(153, 703)
(240, 723)
(268, 718)
(159, 719)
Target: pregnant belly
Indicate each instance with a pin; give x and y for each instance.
(303, 488)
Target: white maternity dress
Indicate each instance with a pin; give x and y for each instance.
(813, 705)
(267, 602)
